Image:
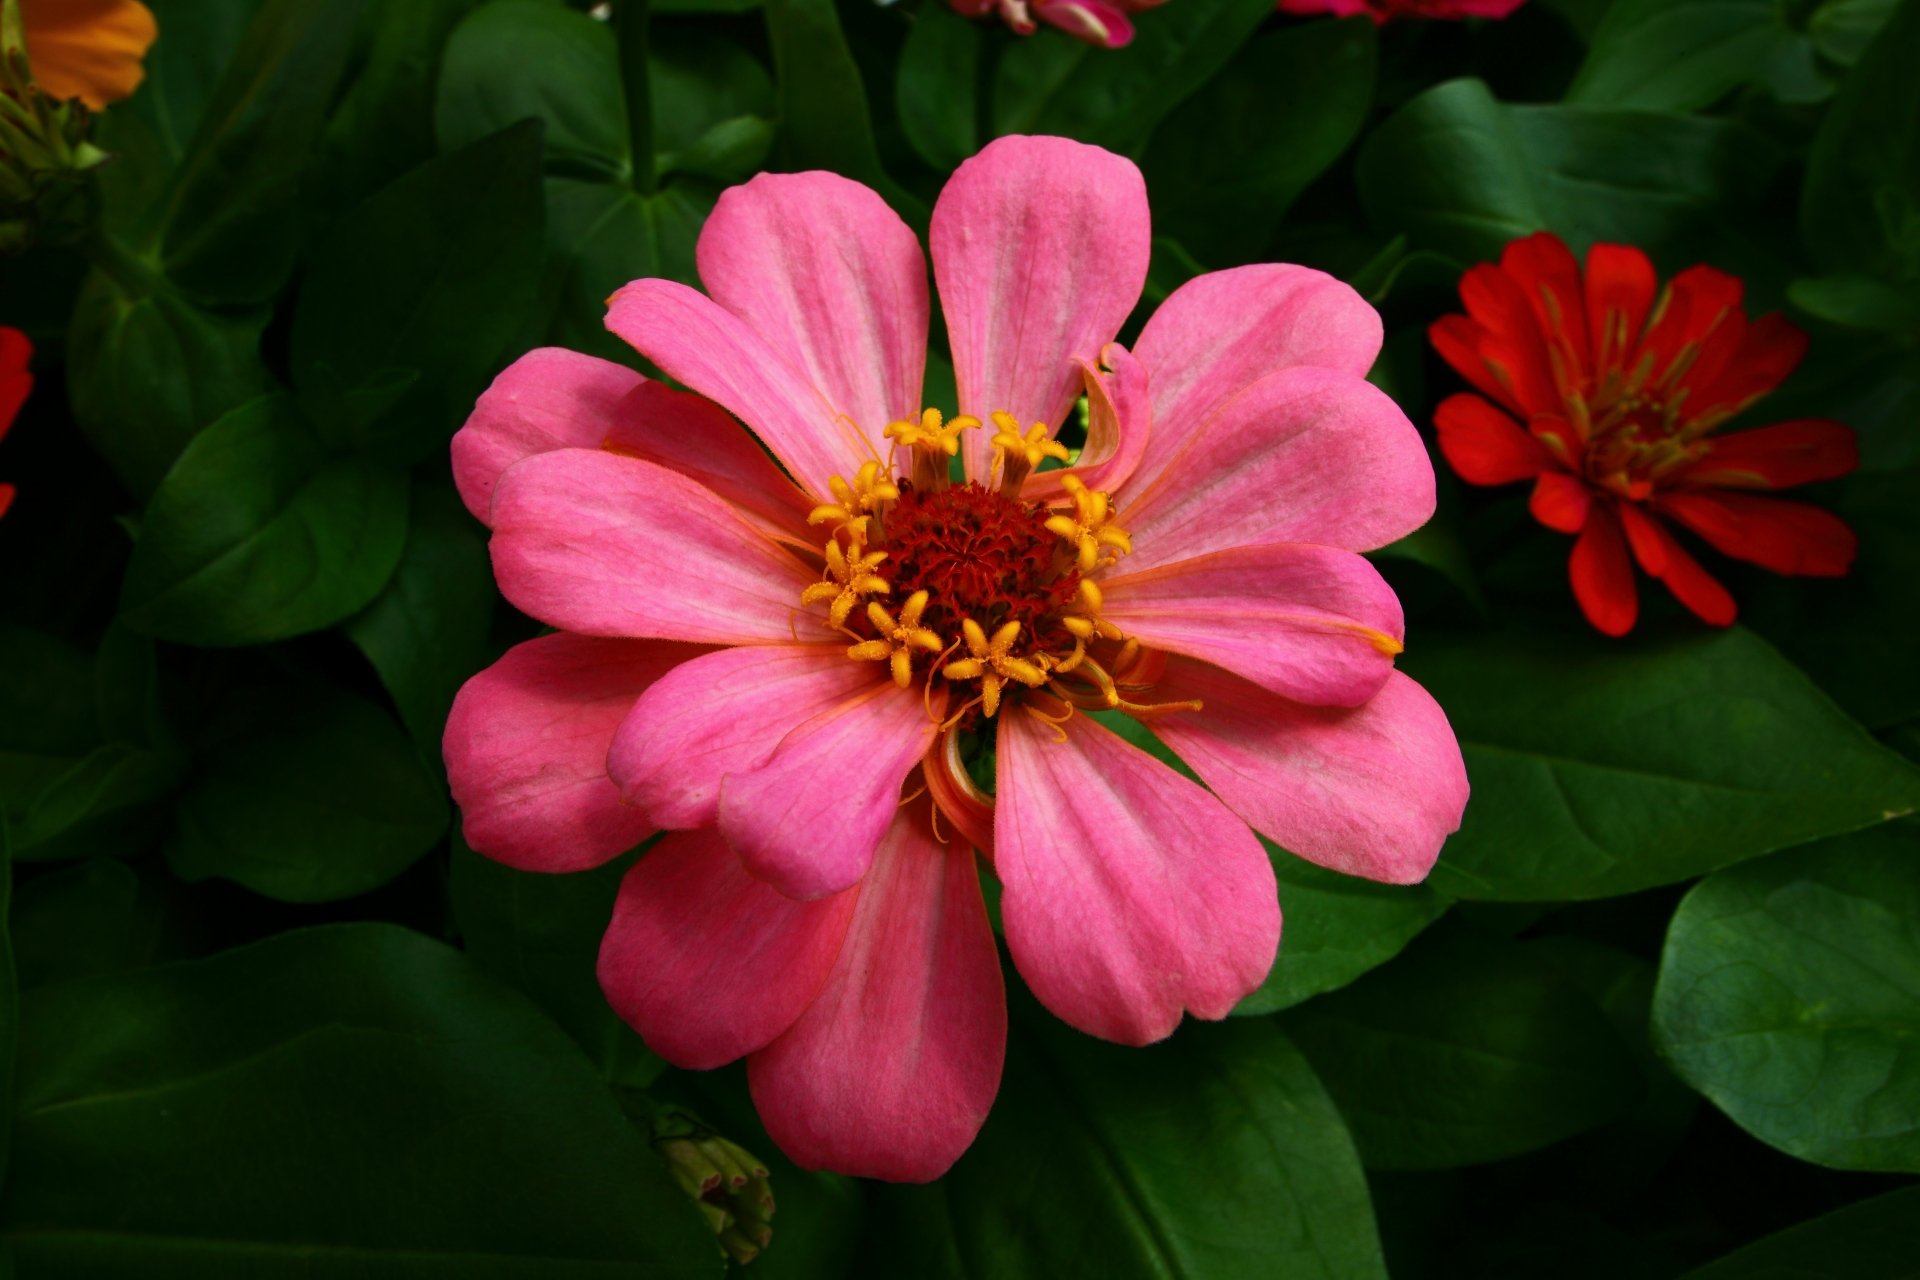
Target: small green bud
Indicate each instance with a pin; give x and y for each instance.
(727, 1183)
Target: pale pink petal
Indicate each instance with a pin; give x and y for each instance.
(696, 341)
(808, 820)
(1040, 247)
(708, 963)
(526, 749)
(1219, 333)
(1315, 624)
(1119, 421)
(834, 280)
(890, 1072)
(1129, 893)
(720, 714)
(550, 398)
(1307, 455)
(590, 541)
(1372, 790)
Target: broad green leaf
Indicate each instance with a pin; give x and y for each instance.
(713, 106)
(1860, 205)
(147, 369)
(1858, 303)
(819, 99)
(84, 919)
(937, 91)
(101, 803)
(1464, 1050)
(433, 274)
(1336, 928)
(1681, 55)
(53, 713)
(258, 534)
(1213, 1154)
(1875, 1239)
(1788, 992)
(426, 631)
(1463, 174)
(350, 1100)
(1599, 769)
(322, 798)
(604, 235)
(1842, 29)
(541, 934)
(1054, 84)
(1225, 166)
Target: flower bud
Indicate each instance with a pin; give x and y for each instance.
(727, 1183)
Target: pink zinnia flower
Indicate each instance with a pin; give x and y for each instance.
(804, 670)
(1386, 10)
(1105, 23)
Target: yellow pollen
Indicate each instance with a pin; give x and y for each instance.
(897, 640)
(1091, 526)
(993, 663)
(850, 576)
(931, 433)
(857, 501)
(1030, 448)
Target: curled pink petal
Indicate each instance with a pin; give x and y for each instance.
(1314, 624)
(601, 544)
(1119, 422)
(1129, 893)
(833, 280)
(1094, 21)
(1040, 249)
(721, 714)
(1372, 790)
(708, 963)
(526, 749)
(891, 1071)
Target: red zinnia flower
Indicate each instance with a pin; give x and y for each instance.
(1383, 10)
(15, 382)
(1619, 392)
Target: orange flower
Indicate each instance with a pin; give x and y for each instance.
(87, 49)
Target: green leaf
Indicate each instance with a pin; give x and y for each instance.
(345, 1101)
(1113, 98)
(1788, 992)
(820, 101)
(1875, 1239)
(146, 370)
(604, 235)
(712, 104)
(1860, 206)
(101, 803)
(258, 534)
(1464, 1050)
(1842, 29)
(84, 919)
(1681, 55)
(1213, 1154)
(541, 934)
(1337, 927)
(937, 91)
(1858, 303)
(426, 632)
(1601, 770)
(434, 274)
(323, 798)
(1221, 174)
(484, 87)
(1463, 174)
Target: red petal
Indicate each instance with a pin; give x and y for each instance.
(6, 498)
(1620, 285)
(1777, 457)
(1696, 301)
(1560, 501)
(1664, 558)
(1602, 575)
(1549, 275)
(1458, 340)
(1769, 351)
(1786, 537)
(1484, 445)
(1515, 340)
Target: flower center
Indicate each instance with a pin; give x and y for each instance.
(1637, 439)
(978, 554)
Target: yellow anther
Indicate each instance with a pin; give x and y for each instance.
(850, 576)
(993, 663)
(931, 433)
(1030, 448)
(857, 501)
(897, 640)
(1091, 526)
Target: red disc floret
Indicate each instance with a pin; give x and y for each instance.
(979, 555)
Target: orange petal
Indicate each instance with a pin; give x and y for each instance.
(88, 49)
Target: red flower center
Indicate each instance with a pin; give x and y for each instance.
(981, 555)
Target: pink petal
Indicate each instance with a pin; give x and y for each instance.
(1372, 790)
(808, 820)
(1119, 421)
(891, 1071)
(594, 542)
(1315, 624)
(697, 342)
(720, 714)
(834, 280)
(1307, 455)
(1130, 894)
(1040, 248)
(1219, 333)
(1096, 22)
(526, 749)
(706, 962)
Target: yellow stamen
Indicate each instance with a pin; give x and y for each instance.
(897, 640)
(993, 663)
(931, 433)
(856, 502)
(850, 576)
(1091, 526)
(1030, 448)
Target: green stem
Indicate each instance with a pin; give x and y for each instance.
(630, 20)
